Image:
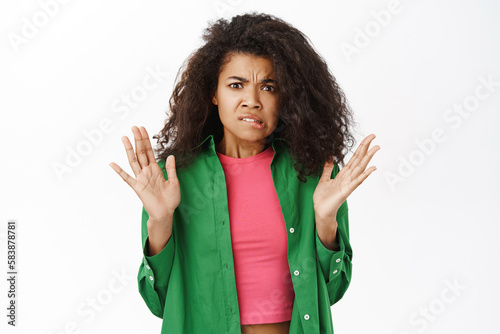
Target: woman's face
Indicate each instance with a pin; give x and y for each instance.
(246, 86)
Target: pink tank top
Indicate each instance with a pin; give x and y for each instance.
(259, 240)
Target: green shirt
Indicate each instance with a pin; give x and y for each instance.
(190, 283)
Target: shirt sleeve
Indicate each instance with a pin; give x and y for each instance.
(154, 271)
(336, 265)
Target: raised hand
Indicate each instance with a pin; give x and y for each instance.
(331, 193)
(160, 197)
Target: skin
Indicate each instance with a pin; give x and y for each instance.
(234, 97)
(331, 193)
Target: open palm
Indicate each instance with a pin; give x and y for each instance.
(160, 197)
(331, 193)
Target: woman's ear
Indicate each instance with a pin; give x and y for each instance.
(214, 100)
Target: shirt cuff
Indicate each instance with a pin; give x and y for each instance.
(158, 266)
(330, 260)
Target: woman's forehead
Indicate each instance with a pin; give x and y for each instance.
(242, 65)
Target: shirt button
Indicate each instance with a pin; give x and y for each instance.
(306, 317)
(335, 271)
(338, 260)
(147, 267)
(292, 230)
(151, 277)
(296, 273)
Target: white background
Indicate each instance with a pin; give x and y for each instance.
(428, 215)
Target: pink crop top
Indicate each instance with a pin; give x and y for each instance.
(259, 240)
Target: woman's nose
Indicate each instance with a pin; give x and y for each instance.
(251, 99)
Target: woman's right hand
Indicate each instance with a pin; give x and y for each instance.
(160, 197)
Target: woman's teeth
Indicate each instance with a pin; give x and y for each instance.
(251, 120)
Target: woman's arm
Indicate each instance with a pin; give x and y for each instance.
(336, 265)
(154, 271)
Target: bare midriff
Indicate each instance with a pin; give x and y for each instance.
(273, 328)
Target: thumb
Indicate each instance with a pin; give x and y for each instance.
(170, 167)
(327, 170)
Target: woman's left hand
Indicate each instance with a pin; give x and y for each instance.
(331, 193)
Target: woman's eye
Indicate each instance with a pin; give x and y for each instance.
(266, 88)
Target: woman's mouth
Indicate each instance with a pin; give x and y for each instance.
(256, 124)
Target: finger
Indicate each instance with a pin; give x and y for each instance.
(140, 149)
(366, 159)
(132, 159)
(363, 176)
(360, 152)
(170, 167)
(124, 175)
(327, 171)
(149, 150)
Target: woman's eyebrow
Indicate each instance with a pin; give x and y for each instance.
(264, 81)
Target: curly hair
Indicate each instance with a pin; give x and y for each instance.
(315, 118)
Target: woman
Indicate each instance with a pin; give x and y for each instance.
(244, 221)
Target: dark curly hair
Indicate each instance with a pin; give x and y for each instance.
(314, 118)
